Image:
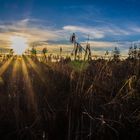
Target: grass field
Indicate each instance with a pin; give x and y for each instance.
(76, 100)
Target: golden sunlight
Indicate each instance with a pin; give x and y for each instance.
(19, 44)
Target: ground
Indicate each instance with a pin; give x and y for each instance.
(99, 99)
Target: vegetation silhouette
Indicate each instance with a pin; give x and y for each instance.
(99, 100)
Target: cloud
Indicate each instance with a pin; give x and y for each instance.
(97, 32)
(135, 29)
(85, 30)
(101, 44)
(35, 30)
(27, 29)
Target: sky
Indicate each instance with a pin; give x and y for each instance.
(108, 23)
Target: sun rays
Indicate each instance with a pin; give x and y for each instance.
(36, 69)
(20, 68)
(28, 84)
(20, 72)
(4, 67)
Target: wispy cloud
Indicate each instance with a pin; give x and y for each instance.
(92, 31)
(97, 32)
(135, 29)
(28, 29)
(101, 44)
(35, 30)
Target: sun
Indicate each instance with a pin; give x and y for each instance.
(18, 44)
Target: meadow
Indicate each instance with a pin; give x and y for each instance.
(69, 100)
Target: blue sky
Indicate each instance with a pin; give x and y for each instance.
(106, 21)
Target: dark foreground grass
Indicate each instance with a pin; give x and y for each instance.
(78, 65)
(64, 102)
